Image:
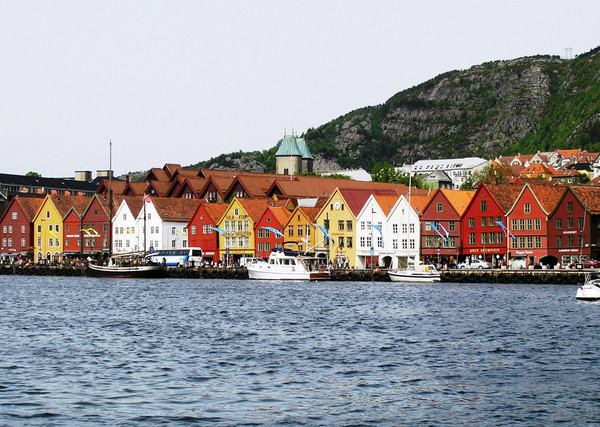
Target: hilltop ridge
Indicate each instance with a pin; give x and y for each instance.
(529, 104)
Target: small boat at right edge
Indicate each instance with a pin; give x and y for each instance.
(590, 290)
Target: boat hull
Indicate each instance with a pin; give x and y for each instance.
(414, 277)
(135, 272)
(265, 272)
(588, 292)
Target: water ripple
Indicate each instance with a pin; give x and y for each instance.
(133, 352)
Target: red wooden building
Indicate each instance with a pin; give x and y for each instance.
(444, 213)
(528, 222)
(273, 218)
(200, 229)
(16, 229)
(484, 225)
(573, 227)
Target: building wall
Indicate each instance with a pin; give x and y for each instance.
(431, 247)
(565, 241)
(15, 231)
(333, 212)
(285, 164)
(48, 224)
(530, 230)
(479, 221)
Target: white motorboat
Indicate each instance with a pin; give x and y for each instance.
(285, 264)
(415, 272)
(590, 290)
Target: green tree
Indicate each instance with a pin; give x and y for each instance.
(34, 174)
(493, 173)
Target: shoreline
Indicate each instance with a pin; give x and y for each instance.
(558, 277)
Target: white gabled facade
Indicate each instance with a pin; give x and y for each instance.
(399, 237)
(160, 234)
(404, 233)
(371, 246)
(126, 233)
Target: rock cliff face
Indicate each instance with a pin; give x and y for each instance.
(496, 108)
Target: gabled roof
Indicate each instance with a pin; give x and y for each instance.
(179, 210)
(547, 195)
(255, 185)
(160, 188)
(116, 186)
(134, 188)
(157, 174)
(64, 204)
(29, 206)
(356, 198)
(216, 210)
(386, 202)
(419, 201)
(458, 199)
(505, 195)
(280, 213)
(254, 208)
(303, 147)
(589, 197)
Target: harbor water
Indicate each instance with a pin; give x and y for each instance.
(79, 351)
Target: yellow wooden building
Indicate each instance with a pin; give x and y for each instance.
(48, 226)
(237, 238)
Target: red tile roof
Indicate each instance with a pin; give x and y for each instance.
(180, 210)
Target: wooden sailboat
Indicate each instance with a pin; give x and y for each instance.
(125, 266)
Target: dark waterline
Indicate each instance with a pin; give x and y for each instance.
(92, 351)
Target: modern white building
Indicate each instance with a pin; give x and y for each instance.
(457, 169)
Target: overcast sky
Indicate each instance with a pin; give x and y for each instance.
(182, 81)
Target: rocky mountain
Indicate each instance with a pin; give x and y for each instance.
(497, 108)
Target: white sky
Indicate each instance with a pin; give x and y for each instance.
(180, 81)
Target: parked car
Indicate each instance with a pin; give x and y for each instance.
(476, 263)
(584, 263)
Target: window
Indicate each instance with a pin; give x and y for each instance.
(483, 221)
(570, 223)
(23, 242)
(559, 241)
(559, 223)
(362, 242)
(404, 244)
(471, 222)
(236, 212)
(395, 244)
(193, 230)
(538, 224)
(580, 223)
(47, 214)
(349, 225)
(341, 225)
(259, 233)
(349, 242)
(522, 224)
(570, 240)
(491, 221)
(471, 238)
(527, 208)
(569, 207)
(514, 224)
(538, 242)
(500, 238)
(395, 228)
(15, 215)
(341, 242)
(529, 224)
(428, 241)
(290, 230)
(412, 228)
(483, 206)
(440, 207)
(300, 230)
(484, 238)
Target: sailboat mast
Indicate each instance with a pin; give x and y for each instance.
(110, 201)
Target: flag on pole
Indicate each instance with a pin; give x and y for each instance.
(376, 227)
(506, 230)
(147, 198)
(437, 231)
(222, 231)
(327, 236)
(275, 231)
